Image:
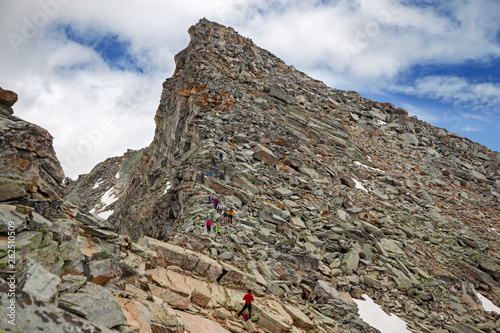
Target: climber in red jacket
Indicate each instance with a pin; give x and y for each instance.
(248, 298)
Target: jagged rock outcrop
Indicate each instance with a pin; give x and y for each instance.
(28, 161)
(7, 100)
(335, 196)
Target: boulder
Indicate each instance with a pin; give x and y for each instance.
(372, 281)
(164, 318)
(297, 221)
(171, 298)
(186, 259)
(265, 155)
(96, 304)
(283, 192)
(325, 291)
(299, 318)
(350, 262)
(198, 324)
(273, 317)
(7, 98)
(409, 138)
(32, 313)
(9, 219)
(200, 298)
(11, 191)
(388, 246)
(104, 270)
(138, 316)
(39, 282)
(71, 283)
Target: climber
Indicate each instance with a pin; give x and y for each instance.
(248, 298)
(209, 225)
(210, 198)
(212, 216)
(202, 176)
(215, 202)
(220, 207)
(230, 215)
(217, 229)
(221, 156)
(222, 175)
(225, 216)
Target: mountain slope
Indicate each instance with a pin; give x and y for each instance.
(329, 187)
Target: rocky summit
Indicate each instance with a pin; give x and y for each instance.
(336, 197)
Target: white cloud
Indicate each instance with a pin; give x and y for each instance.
(471, 129)
(354, 45)
(455, 90)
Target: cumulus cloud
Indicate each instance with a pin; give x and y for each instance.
(455, 90)
(96, 107)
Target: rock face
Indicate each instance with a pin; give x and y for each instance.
(28, 162)
(335, 196)
(7, 99)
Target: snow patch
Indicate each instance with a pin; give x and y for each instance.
(107, 199)
(487, 304)
(105, 214)
(367, 167)
(381, 122)
(167, 188)
(359, 186)
(98, 183)
(372, 314)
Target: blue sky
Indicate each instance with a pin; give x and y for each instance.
(91, 72)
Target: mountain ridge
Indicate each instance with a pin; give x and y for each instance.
(335, 195)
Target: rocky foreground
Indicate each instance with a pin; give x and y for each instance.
(335, 196)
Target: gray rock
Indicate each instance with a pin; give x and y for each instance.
(297, 221)
(283, 192)
(71, 283)
(350, 262)
(372, 281)
(39, 282)
(94, 303)
(388, 246)
(326, 291)
(281, 94)
(104, 270)
(32, 315)
(275, 289)
(409, 138)
(9, 219)
(265, 155)
(11, 191)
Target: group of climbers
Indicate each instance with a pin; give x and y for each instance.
(227, 215)
(222, 173)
